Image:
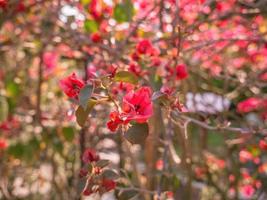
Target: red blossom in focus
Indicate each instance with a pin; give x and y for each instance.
(137, 105)
(181, 72)
(71, 85)
(249, 105)
(90, 155)
(114, 121)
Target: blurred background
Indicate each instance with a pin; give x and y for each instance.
(207, 140)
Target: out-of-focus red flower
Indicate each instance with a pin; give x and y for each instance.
(108, 184)
(247, 191)
(50, 60)
(3, 144)
(155, 62)
(71, 85)
(263, 76)
(144, 47)
(3, 3)
(83, 173)
(10, 124)
(159, 164)
(245, 156)
(249, 105)
(181, 72)
(20, 7)
(136, 69)
(91, 71)
(263, 168)
(95, 9)
(135, 56)
(263, 144)
(96, 37)
(169, 194)
(114, 121)
(90, 155)
(137, 105)
(200, 172)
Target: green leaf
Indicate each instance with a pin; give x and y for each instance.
(16, 150)
(12, 89)
(68, 133)
(102, 163)
(90, 26)
(125, 76)
(137, 133)
(84, 95)
(110, 174)
(81, 114)
(3, 109)
(85, 2)
(128, 194)
(124, 11)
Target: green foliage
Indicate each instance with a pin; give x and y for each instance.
(125, 76)
(137, 133)
(81, 114)
(124, 11)
(68, 133)
(91, 26)
(84, 95)
(3, 109)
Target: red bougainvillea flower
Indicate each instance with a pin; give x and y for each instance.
(3, 144)
(50, 60)
(71, 85)
(249, 105)
(90, 155)
(83, 173)
(245, 156)
(95, 9)
(181, 72)
(137, 105)
(144, 47)
(136, 69)
(114, 121)
(108, 184)
(263, 145)
(9, 124)
(247, 191)
(3, 3)
(96, 37)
